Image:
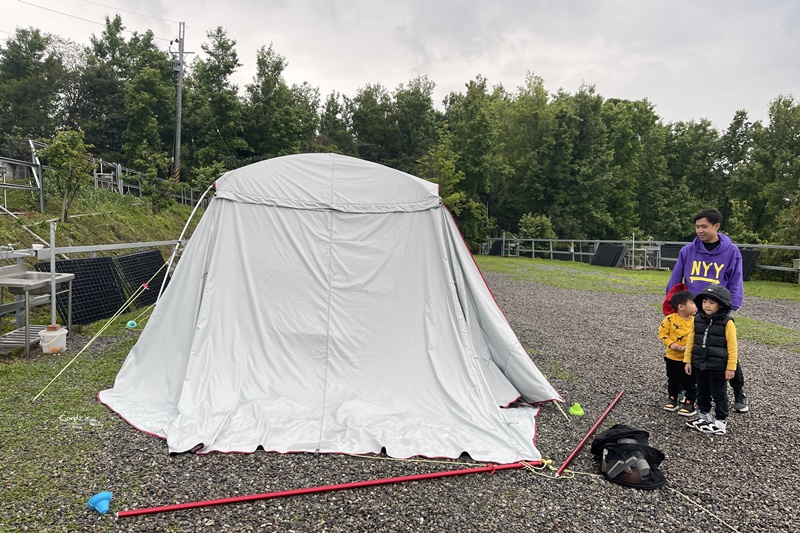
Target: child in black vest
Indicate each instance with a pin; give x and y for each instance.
(711, 354)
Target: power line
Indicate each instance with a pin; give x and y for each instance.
(132, 12)
(80, 18)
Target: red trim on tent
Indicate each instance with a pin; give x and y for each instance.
(196, 451)
(476, 264)
(128, 421)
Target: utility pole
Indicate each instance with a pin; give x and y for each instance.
(177, 65)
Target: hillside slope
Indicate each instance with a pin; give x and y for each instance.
(97, 217)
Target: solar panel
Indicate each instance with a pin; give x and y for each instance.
(749, 260)
(609, 255)
(97, 290)
(102, 285)
(138, 268)
(669, 254)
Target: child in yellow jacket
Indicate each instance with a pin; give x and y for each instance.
(675, 331)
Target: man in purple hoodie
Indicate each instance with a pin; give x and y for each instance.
(713, 259)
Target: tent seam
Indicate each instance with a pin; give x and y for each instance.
(327, 320)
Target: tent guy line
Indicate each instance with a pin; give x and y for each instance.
(143, 287)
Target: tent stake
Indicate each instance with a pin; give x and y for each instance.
(324, 488)
(594, 427)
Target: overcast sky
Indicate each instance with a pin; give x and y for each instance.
(691, 58)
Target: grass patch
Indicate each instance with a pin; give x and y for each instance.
(555, 369)
(573, 275)
(580, 276)
(50, 446)
(768, 333)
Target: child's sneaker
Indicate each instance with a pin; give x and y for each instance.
(717, 427)
(687, 409)
(740, 404)
(704, 418)
(672, 404)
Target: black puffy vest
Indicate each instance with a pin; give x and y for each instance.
(710, 350)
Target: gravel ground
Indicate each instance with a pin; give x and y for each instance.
(591, 345)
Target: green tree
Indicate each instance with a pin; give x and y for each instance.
(439, 165)
(101, 109)
(31, 77)
(416, 121)
(527, 129)
(152, 70)
(214, 121)
(579, 173)
(73, 62)
(335, 126)
(625, 126)
(769, 179)
(735, 149)
(158, 185)
(111, 69)
(280, 119)
(67, 166)
(788, 222)
(205, 176)
(665, 206)
(558, 162)
(374, 126)
(692, 151)
(474, 118)
(146, 98)
(736, 225)
(468, 117)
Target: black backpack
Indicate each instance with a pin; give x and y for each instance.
(625, 458)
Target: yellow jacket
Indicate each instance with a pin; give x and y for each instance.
(678, 330)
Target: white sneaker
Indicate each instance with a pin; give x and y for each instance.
(717, 427)
(704, 418)
(740, 405)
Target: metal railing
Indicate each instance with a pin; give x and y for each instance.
(640, 254)
(106, 175)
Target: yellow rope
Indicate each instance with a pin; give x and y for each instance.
(546, 464)
(143, 312)
(557, 404)
(704, 509)
(99, 332)
(133, 297)
(540, 470)
(560, 409)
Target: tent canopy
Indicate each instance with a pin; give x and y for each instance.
(325, 303)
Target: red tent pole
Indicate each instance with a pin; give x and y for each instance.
(324, 488)
(594, 427)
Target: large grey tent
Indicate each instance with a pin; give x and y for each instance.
(329, 304)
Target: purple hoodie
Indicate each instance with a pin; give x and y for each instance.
(698, 268)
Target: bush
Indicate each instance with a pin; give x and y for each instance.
(536, 227)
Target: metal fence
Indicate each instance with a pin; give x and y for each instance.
(102, 286)
(30, 176)
(641, 254)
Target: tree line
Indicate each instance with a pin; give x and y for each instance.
(524, 161)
